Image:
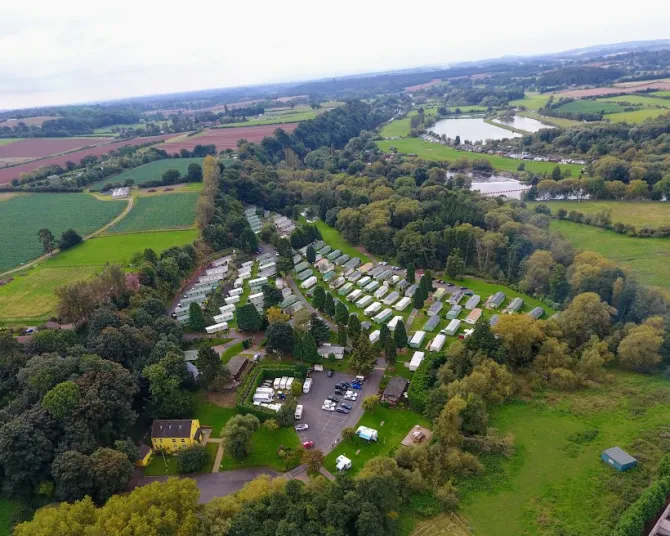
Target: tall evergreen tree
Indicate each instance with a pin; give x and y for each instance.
(329, 305)
(297, 346)
(354, 326)
(311, 254)
(341, 335)
(363, 356)
(418, 299)
(319, 329)
(319, 299)
(196, 318)
(400, 335)
(341, 313)
(309, 351)
(411, 273)
(384, 334)
(390, 351)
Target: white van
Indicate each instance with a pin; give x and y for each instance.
(307, 385)
(282, 383)
(289, 383)
(276, 383)
(298, 412)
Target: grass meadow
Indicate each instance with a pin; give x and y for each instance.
(7, 141)
(157, 212)
(638, 99)
(396, 128)
(264, 447)
(647, 258)
(149, 172)
(638, 213)
(556, 483)
(532, 101)
(636, 116)
(23, 216)
(590, 106)
(435, 151)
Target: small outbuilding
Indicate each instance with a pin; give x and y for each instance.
(369, 434)
(342, 463)
(618, 458)
(395, 390)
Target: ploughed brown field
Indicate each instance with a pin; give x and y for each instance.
(418, 87)
(225, 138)
(617, 90)
(14, 172)
(41, 147)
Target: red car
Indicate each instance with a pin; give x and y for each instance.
(308, 444)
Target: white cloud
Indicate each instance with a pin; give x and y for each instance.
(74, 51)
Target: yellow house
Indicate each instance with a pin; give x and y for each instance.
(172, 435)
(145, 456)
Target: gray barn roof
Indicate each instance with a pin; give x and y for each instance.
(620, 456)
(396, 387)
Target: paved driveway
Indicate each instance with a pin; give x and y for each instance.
(325, 427)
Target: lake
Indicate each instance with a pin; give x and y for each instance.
(496, 185)
(471, 129)
(524, 123)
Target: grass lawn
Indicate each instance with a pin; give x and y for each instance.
(7, 508)
(335, 240)
(23, 216)
(149, 172)
(264, 446)
(485, 289)
(639, 213)
(397, 422)
(210, 414)
(440, 525)
(636, 116)
(231, 352)
(532, 101)
(212, 449)
(158, 212)
(396, 128)
(159, 466)
(435, 151)
(646, 257)
(555, 483)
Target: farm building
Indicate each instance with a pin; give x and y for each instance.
(402, 304)
(342, 259)
(536, 313)
(432, 323)
(372, 286)
(416, 361)
(472, 302)
(381, 292)
(391, 298)
(495, 300)
(345, 289)
(308, 283)
(618, 458)
(454, 312)
(337, 283)
(355, 276)
(494, 320)
(304, 275)
(456, 297)
(355, 295)
(302, 266)
(435, 308)
(329, 275)
(333, 255)
(366, 267)
(372, 309)
(417, 339)
(438, 343)
(383, 316)
(394, 322)
(474, 315)
(363, 281)
(374, 336)
(439, 293)
(514, 306)
(453, 326)
(364, 301)
(369, 434)
(411, 290)
(394, 390)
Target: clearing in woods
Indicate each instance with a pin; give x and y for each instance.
(156, 212)
(23, 216)
(149, 172)
(639, 213)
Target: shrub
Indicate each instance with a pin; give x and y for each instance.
(423, 380)
(650, 502)
(192, 459)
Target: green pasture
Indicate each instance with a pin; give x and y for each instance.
(277, 117)
(638, 99)
(210, 414)
(435, 151)
(149, 172)
(335, 240)
(532, 101)
(639, 213)
(7, 141)
(637, 116)
(646, 257)
(158, 212)
(396, 128)
(264, 447)
(660, 93)
(555, 483)
(590, 106)
(23, 216)
(396, 424)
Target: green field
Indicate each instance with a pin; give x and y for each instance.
(149, 172)
(590, 106)
(555, 483)
(23, 216)
(335, 240)
(660, 93)
(638, 99)
(173, 211)
(647, 257)
(210, 414)
(435, 151)
(30, 298)
(7, 141)
(532, 101)
(264, 446)
(638, 213)
(396, 128)
(397, 423)
(277, 117)
(108, 130)
(637, 116)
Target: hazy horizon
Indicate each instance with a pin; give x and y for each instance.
(72, 52)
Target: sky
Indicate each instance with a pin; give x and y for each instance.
(74, 51)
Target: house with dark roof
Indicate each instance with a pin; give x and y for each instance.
(395, 389)
(145, 456)
(174, 434)
(237, 365)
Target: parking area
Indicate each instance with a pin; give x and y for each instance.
(325, 427)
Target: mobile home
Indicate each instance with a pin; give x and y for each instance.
(402, 304)
(354, 295)
(364, 301)
(221, 326)
(394, 322)
(472, 302)
(416, 361)
(223, 317)
(383, 316)
(308, 283)
(363, 281)
(258, 283)
(453, 326)
(439, 293)
(495, 300)
(391, 298)
(374, 336)
(494, 320)
(344, 290)
(372, 286)
(438, 343)
(435, 308)
(514, 306)
(432, 323)
(454, 312)
(536, 313)
(417, 339)
(232, 299)
(381, 292)
(474, 315)
(372, 309)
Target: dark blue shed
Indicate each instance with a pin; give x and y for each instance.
(618, 458)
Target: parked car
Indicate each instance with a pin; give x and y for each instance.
(308, 444)
(348, 406)
(351, 396)
(257, 358)
(301, 427)
(450, 284)
(328, 408)
(281, 396)
(342, 410)
(462, 288)
(357, 386)
(330, 373)
(334, 399)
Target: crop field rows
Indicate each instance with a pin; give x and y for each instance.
(149, 172)
(173, 211)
